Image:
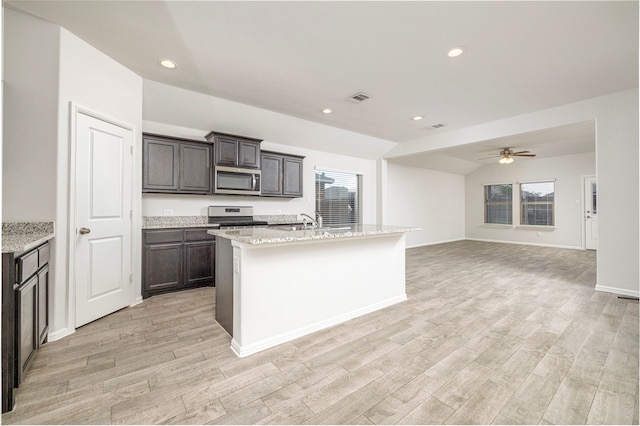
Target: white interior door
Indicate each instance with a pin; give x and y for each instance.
(102, 218)
(591, 212)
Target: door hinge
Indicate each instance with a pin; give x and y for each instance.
(131, 149)
(130, 214)
(130, 278)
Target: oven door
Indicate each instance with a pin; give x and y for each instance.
(232, 180)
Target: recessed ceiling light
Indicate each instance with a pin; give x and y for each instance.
(168, 63)
(326, 111)
(417, 118)
(456, 51)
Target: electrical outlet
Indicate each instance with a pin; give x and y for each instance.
(168, 212)
(539, 234)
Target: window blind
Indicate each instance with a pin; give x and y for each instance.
(498, 204)
(339, 197)
(537, 203)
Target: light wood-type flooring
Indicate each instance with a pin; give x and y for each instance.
(491, 333)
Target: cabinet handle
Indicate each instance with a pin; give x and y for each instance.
(84, 230)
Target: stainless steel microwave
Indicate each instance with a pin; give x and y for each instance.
(238, 181)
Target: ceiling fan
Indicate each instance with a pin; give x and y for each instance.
(506, 155)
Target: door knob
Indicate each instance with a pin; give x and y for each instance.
(84, 230)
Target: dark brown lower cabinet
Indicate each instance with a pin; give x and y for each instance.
(43, 305)
(25, 315)
(176, 259)
(27, 326)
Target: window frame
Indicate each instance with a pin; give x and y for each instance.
(522, 205)
(356, 207)
(486, 188)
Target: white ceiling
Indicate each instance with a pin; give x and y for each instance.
(300, 57)
(571, 139)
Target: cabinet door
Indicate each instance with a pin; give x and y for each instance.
(26, 326)
(292, 177)
(162, 268)
(249, 154)
(43, 305)
(271, 178)
(226, 150)
(160, 165)
(195, 171)
(200, 263)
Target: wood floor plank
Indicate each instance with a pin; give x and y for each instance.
(472, 344)
(571, 403)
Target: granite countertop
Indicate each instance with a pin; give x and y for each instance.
(265, 236)
(22, 236)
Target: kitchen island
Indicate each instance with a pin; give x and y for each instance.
(276, 284)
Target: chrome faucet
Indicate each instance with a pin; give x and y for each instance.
(305, 221)
(318, 219)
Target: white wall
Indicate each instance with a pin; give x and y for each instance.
(46, 68)
(616, 117)
(431, 200)
(183, 108)
(566, 170)
(30, 118)
(93, 81)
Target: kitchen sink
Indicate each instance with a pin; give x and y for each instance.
(311, 228)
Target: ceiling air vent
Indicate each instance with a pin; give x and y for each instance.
(359, 97)
(438, 126)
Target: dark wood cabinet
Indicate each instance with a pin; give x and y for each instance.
(25, 315)
(235, 151)
(43, 305)
(26, 326)
(271, 178)
(174, 165)
(281, 175)
(175, 259)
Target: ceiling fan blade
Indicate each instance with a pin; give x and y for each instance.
(520, 152)
(489, 156)
(524, 155)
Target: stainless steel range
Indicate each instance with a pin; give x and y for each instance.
(233, 217)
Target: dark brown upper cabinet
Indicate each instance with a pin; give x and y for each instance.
(281, 175)
(175, 165)
(235, 151)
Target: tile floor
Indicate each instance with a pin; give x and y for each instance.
(491, 333)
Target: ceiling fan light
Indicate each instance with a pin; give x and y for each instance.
(505, 160)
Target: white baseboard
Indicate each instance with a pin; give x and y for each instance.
(243, 351)
(525, 243)
(137, 301)
(616, 290)
(436, 242)
(59, 334)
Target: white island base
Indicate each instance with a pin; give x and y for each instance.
(287, 290)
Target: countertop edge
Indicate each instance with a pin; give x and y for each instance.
(291, 237)
(25, 241)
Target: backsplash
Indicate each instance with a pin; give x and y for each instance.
(154, 222)
(27, 227)
(172, 221)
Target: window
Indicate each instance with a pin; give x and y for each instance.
(537, 203)
(498, 202)
(339, 197)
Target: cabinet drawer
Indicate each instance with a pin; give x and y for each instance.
(27, 266)
(43, 255)
(198, 234)
(168, 236)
